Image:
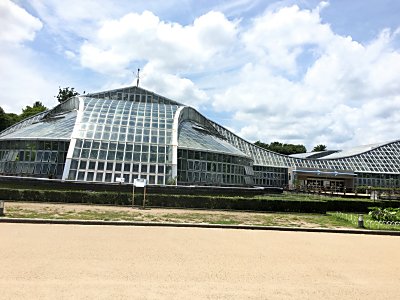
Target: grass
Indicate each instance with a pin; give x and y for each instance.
(308, 197)
(52, 212)
(108, 213)
(84, 212)
(369, 223)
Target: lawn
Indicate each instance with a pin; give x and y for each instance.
(120, 213)
(114, 213)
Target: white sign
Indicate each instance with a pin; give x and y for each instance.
(139, 182)
(120, 179)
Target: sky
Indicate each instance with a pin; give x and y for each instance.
(303, 72)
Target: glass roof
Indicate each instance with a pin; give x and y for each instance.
(134, 94)
(58, 127)
(381, 158)
(125, 121)
(353, 151)
(23, 123)
(195, 136)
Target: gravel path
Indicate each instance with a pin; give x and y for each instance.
(105, 262)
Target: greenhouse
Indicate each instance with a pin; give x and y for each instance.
(133, 133)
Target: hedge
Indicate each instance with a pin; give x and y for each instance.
(250, 204)
(190, 201)
(37, 184)
(360, 206)
(157, 200)
(65, 196)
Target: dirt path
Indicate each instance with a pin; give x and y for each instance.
(105, 262)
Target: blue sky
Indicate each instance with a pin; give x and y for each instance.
(303, 71)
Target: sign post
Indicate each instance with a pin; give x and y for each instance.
(139, 182)
(121, 180)
(133, 195)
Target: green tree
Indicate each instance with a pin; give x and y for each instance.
(13, 118)
(29, 111)
(319, 148)
(262, 145)
(7, 119)
(66, 93)
(278, 147)
(4, 121)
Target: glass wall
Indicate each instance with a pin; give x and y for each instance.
(207, 168)
(381, 180)
(270, 176)
(33, 158)
(123, 139)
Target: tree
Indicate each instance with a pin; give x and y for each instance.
(278, 147)
(13, 118)
(66, 93)
(319, 148)
(29, 111)
(262, 145)
(3, 119)
(7, 119)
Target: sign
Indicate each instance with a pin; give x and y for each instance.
(139, 182)
(120, 179)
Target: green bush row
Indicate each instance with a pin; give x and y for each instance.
(191, 201)
(251, 204)
(357, 205)
(65, 196)
(364, 188)
(157, 200)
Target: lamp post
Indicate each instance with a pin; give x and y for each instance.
(1, 208)
(360, 221)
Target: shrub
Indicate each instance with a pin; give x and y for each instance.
(385, 214)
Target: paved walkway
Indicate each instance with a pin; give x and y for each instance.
(106, 262)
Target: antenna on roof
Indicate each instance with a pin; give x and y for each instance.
(137, 77)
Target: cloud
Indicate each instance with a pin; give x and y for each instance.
(278, 38)
(17, 25)
(73, 17)
(167, 50)
(22, 82)
(348, 94)
(21, 79)
(68, 23)
(284, 75)
(171, 46)
(179, 89)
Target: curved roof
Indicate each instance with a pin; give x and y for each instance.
(55, 124)
(134, 94)
(23, 123)
(55, 128)
(315, 154)
(195, 136)
(355, 150)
